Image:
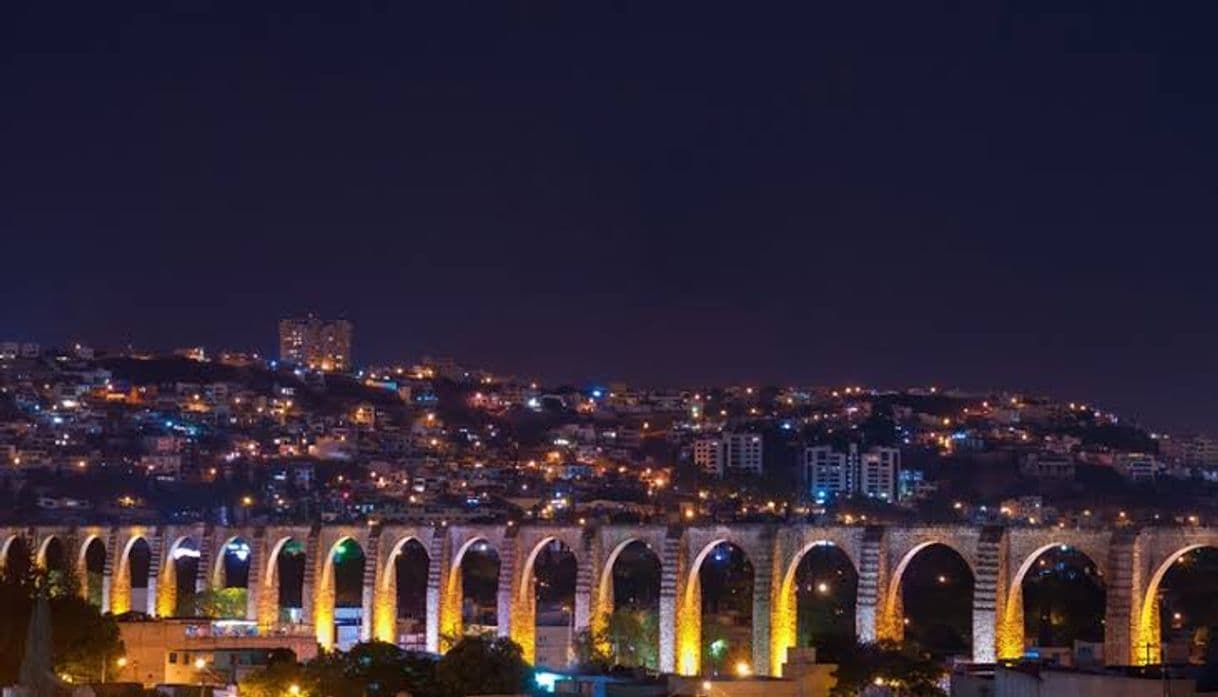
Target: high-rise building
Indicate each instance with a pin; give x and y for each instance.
(829, 473)
(316, 343)
(729, 452)
(878, 469)
(1199, 451)
(708, 456)
(742, 452)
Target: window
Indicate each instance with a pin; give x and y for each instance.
(173, 657)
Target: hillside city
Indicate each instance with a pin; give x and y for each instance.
(311, 436)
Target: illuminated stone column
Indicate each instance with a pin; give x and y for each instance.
(985, 591)
(600, 588)
(156, 544)
(79, 546)
(268, 582)
(670, 579)
(508, 613)
(450, 623)
(889, 606)
(385, 597)
(437, 562)
(765, 595)
(1127, 641)
(113, 598)
(689, 614)
(321, 612)
(871, 562)
(203, 569)
(368, 591)
(1010, 637)
(167, 587)
(784, 618)
(585, 578)
(253, 588)
(522, 610)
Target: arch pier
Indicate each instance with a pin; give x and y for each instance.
(127, 568)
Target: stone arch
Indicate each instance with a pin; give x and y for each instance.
(93, 589)
(1147, 646)
(385, 609)
(524, 602)
(122, 590)
(893, 614)
(605, 596)
(44, 555)
(452, 624)
(784, 610)
(218, 574)
(7, 548)
(271, 608)
(168, 598)
(1010, 630)
(326, 600)
(604, 583)
(689, 605)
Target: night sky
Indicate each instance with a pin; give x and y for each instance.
(967, 193)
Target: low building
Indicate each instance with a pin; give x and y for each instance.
(802, 676)
(1047, 465)
(171, 650)
(1032, 680)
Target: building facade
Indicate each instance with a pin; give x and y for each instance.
(315, 343)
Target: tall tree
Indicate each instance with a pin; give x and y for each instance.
(481, 666)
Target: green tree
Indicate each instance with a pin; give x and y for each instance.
(276, 679)
(372, 669)
(905, 668)
(593, 651)
(221, 603)
(630, 638)
(82, 639)
(634, 638)
(480, 666)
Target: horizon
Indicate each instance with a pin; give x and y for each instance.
(359, 368)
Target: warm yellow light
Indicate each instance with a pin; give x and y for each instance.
(121, 662)
(293, 689)
(743, 669)
(822, 588)
(200, 664)
(706, 685)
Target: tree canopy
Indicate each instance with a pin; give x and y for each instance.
(903, 667)
(82, 639)
(475, 665)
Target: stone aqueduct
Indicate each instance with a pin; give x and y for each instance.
(1132, 561)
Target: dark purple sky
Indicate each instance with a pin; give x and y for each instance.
(961, 193)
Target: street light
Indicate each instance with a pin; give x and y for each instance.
(294, 689)
(200, 664)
